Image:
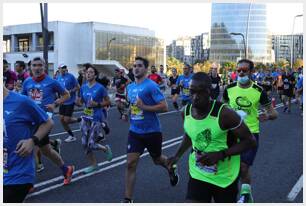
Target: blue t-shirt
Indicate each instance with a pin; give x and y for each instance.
(43, 92)
(96, 93)
(69, 82)
(184, 80)
(21, 118)
(143, 122)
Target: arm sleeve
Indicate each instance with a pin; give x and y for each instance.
(264, 100)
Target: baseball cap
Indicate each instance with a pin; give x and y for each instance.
(62, 66)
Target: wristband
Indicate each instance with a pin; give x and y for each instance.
(35, 140)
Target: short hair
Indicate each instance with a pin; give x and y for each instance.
(94, 68)
(144, 60)
(87, 65)
(21, 63)
(249, 62)
(4, 62)
(39, 59)
(203, 78)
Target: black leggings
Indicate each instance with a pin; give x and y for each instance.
(15, 193)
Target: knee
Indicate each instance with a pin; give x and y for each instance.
(62, 119)
(66, 120)
(131, 164)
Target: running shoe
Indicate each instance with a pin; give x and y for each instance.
(90, 169)
(245, 194)
(70, 139)
(40, 167)
(68, 175)
(127, 200)
(174, 177)
(109, 154)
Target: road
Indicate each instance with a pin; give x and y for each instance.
(277, 168)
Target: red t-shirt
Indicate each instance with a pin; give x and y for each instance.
(156, 78)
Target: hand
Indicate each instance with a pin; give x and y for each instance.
(171, 161)
(263, 117)
(24, 147)
(210, 158)
(139, 103)
(92, 103)
(50, 107)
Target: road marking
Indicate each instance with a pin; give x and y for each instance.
(99, 164)
(96, 172)
(295, 190)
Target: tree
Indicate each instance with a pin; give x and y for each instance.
(202, 67)
(283, 63)
(173, 62)
(298, 63)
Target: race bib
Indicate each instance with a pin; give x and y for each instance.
(136, 113)
(5, 160)
(214, 86)
(208, 169)
(286, 86)
(186, 91)
(88, 111)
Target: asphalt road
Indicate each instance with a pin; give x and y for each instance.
(277, 168)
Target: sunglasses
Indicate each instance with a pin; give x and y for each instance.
(242, 70)
(37, 65)
(138, 65)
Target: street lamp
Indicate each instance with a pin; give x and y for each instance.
(108, 47)
(292, 45)
(240, 34)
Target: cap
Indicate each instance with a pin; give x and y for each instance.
(62, 66)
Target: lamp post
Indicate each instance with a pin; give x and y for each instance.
(108, 47)
(247, 31)
(292, 45)
(240, 34)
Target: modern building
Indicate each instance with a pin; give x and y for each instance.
(249, 19)
(281, 44)
(106, 46)
(181, 49)
(200, 47)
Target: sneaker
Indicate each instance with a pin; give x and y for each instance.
(40, 167)
(109, 154)
(70, 139)
(68, 175)
(245, 194)
(127, 200)
(57, 145)
(174, 177)
(90, 169)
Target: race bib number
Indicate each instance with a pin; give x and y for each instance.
(88, 112)
(286, 86)
(208, 169)
(186, 91)
(214, 86)
(136, 113)
(5, 160)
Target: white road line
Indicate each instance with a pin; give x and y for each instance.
(96, 172)
(295, 190)
(55, 179)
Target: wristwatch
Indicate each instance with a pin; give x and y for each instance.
(35, 140)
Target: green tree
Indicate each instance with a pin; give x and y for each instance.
(173, 62)
(283, 63)
(298, 63)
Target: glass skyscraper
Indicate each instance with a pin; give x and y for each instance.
(247, 19)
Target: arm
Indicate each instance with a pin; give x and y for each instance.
(64, 96)
(160, 107)
(269, 112)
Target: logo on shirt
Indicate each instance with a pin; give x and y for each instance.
(36, 94)
(203, 139)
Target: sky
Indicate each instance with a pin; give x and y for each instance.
(168, 20)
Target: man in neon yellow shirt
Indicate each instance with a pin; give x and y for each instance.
(245, 97)
(212, 129)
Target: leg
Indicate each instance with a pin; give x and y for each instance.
(15, 193)
(226, 195)
(52, 155)
(130, 175)
(198, 191)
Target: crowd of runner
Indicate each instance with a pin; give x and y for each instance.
(221, 130)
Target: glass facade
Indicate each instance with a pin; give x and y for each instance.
(233, 18)
(124, 48)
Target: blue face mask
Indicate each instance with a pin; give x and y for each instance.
(243, 80)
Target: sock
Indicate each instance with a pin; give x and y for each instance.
(64, 168)
(70, 132)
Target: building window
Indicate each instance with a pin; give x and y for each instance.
(6, 46)
(23, 45)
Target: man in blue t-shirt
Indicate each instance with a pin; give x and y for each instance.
(24, 124)
(146, 100)
(69, 82)
(183, 82)
(95, 98)
(42, 90)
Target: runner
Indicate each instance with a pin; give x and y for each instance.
(214, 162)
(120, 83)
(95, 97)
(41, 88)
(22, 75)
(183, 83)
(288, 85)
(21, 118)
(154, 76)
(164, 78)
(146, 100)
(279, 84)
(267, 83)
(9, 77)
(245, 96)
(299, 90)
(175, 90)
(215, 82)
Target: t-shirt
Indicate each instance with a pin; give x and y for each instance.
(9, 77)
(42, 92)
(183, 82)
(288, 80)
(21, 118)
(69, 82)
(120, 83)
(96, 93)
(215, 81)
(247, 99)
(143, 122)
(156, 78)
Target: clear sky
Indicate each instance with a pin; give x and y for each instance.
(168, 20)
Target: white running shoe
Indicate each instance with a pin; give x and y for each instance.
(70, 139)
